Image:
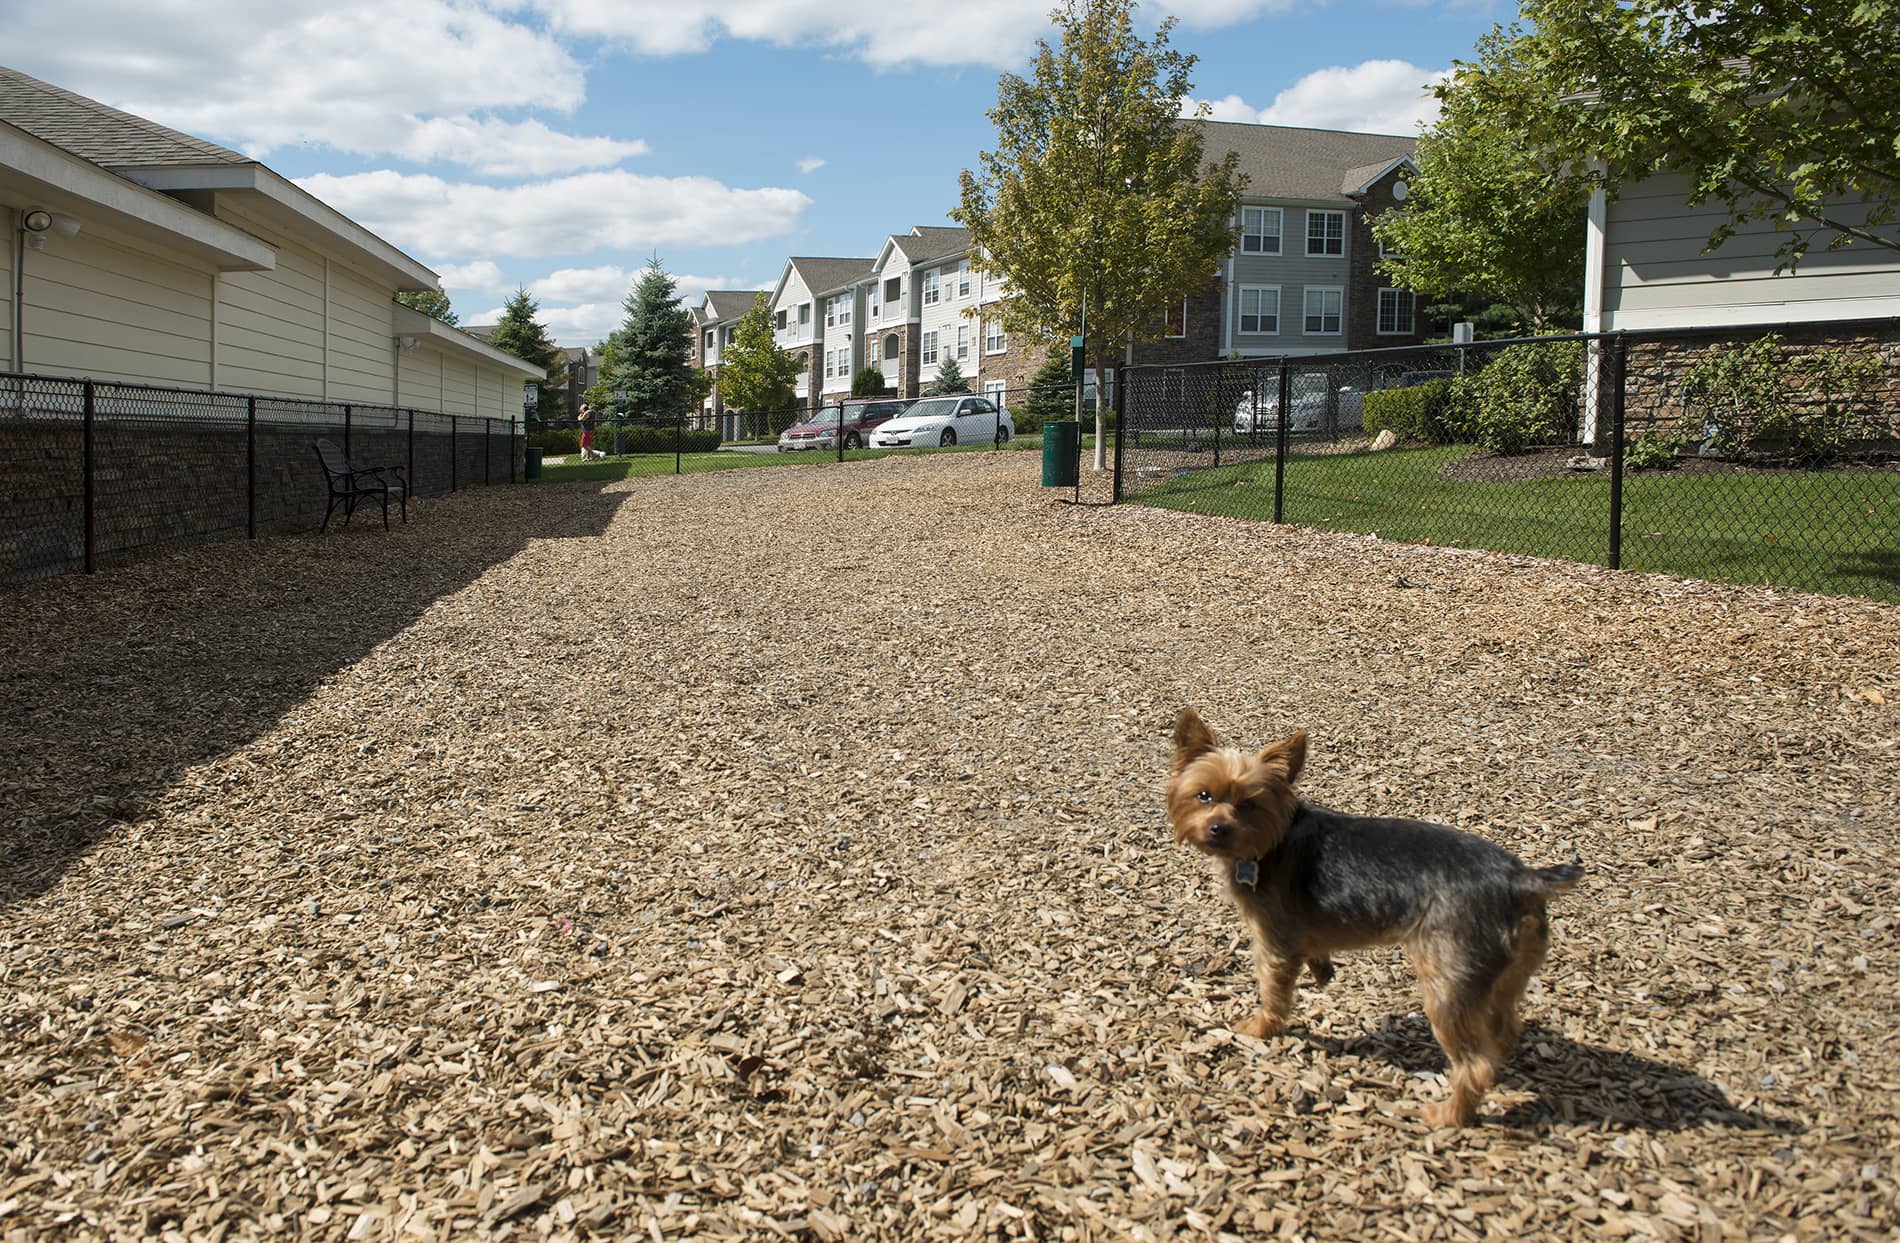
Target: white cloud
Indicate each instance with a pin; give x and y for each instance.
(992, 32)
(569, 215)
(1374, 97)
(810, 164)
(589, 321)
(420, 80)
(482, 276)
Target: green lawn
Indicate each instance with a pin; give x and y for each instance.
(1836, 532)
(629, 466)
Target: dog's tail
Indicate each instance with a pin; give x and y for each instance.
(1542, 882)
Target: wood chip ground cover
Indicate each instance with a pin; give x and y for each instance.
(778, 854)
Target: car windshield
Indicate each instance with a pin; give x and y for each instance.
(934, 408)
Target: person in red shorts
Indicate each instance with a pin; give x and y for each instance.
(587, 432)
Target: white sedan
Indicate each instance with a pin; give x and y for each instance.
(946, 421)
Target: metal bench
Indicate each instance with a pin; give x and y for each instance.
(350, 484)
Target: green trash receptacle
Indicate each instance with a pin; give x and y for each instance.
(1059, 441)
(531, 465)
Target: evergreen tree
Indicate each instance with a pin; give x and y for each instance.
(1052, 388)
(755, 374)
(431, 302)
(949, 380)
(869, 382)
(652, 352)
(521, 334)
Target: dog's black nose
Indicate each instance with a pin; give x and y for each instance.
(1217, 832)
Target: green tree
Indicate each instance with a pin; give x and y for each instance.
(754, 373)
(1488, 214)
(524, 336)
(1778, 111)
(1052, 388)
(869, 382)
(652, 361)
(431, 302)
(949, 380)
(1097, 206)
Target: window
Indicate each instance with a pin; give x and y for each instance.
(876, 287)
(963, 342)
(804, 313)
(963, 280)
(928, 354)
(838, 311)
(709, 338)
(994, 390)
(1176, 321)
(1395, 312)
(1322, 311)
(1325, 232)
(994, 342)
(1389, 252)
(831, 312)
(1260, 230)
(930, 287)
(1260, 309)
(893, 290)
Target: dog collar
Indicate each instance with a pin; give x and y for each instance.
(1247, 872)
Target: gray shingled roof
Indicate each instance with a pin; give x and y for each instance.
(92, 131)
(1281, 162)
(731, 303)
(933, 241)
(827, 275)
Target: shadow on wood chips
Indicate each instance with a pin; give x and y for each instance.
(242, 631)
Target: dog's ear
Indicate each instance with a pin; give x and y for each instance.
(1192, 738)
(1287, 757)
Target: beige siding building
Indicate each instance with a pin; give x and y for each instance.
(138, 254)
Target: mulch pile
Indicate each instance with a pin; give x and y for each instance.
(779, 854)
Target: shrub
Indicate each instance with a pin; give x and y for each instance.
(1527, 395)
(869, 382)
(1416, 412)
(624, 437)
(557, 441)
(1752, 399)
(1655, 448)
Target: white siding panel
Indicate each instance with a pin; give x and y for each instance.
(362, 338)
(270, 324)
(7, 360)
(1657, 276)
(419, 379)
(96, 308)
(458, 386)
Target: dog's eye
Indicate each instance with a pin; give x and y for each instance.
(1205, 797)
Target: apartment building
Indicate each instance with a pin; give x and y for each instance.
(1302, 279)
(715, 318)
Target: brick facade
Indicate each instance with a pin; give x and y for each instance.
(904, 383)
(1364, 281)
(1202, 340)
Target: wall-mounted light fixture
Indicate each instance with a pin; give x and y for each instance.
(407, 343)
(37, 222)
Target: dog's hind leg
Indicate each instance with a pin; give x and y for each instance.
(1458, 993)
(1531, 939)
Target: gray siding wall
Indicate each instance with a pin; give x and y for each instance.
(1293, 271)
(1656, 276)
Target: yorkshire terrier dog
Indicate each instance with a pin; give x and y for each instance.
(1310, 882)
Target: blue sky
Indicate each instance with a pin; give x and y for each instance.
(556, 144)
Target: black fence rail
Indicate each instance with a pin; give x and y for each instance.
(1756, 456)
(94, 473)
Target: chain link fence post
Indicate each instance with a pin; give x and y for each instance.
(250, 468)
(86, 459)
(1282, 417)
(1620, 353)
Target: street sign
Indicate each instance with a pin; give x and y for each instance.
(530, 394)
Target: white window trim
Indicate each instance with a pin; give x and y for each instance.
(963, 280)
(1278, 235)
(995, 390)
(1240, 311)
(991, 333)
(927, 351)
(933, 291)
(1304, 302)
(963, 342)
(1379, 314)
(1311, 212)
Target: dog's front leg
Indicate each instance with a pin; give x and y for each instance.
(1276, 973)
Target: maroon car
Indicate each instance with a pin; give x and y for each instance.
(859, 416)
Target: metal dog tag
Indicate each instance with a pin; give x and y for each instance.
(1247, 872)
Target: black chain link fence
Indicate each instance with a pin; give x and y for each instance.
(95, 473)
(1764, 456)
